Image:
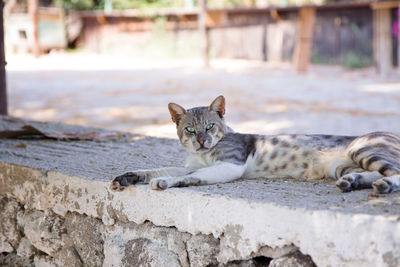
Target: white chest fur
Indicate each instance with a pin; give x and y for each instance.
(199, 160)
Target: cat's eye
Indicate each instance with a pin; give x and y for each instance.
(190, 129)
(209, 126)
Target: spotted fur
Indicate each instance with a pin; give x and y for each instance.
(219, 155)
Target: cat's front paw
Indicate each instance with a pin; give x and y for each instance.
(158, 184)
(348, 182)
(382, 186)
(119, 183)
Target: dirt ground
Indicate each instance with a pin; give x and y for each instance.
(132, 95)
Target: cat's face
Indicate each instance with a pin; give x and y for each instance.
(199, 129)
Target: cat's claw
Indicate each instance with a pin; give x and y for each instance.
(382, 186)
(119, 183)
(158, 184)
(116, 186)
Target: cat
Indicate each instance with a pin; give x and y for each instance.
(219, 155)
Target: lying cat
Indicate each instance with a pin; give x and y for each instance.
(218, 155)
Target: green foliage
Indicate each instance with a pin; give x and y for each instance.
(118, 4)
(351, 60)
(356, 61)
(225, 3)
(316, 58)
(144, 4)
(76, 4)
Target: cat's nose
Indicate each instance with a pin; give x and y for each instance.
(201, 141)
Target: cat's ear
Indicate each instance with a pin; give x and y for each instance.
(176, 112)
(218, 105)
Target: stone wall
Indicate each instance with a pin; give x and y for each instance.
(43, 238)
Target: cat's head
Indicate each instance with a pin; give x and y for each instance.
(200, 128)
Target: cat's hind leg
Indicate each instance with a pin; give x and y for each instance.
(378, 153)
(349, 176)
(357, 180)
(387, 184)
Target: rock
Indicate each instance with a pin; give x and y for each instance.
(142, 252)
(167, 239)
(68, 257)
(137, 252)
(25, 248)
(244, 263)
(5, 246)
(259, 261)
(44, 261)
(12, 259)
(293, 259)
(202, 250)
(114, 251)
(84, 234)
(44, 230)
(272, 253)
(9, 233)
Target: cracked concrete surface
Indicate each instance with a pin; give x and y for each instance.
(246, 217)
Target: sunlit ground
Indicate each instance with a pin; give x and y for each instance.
(128, 94)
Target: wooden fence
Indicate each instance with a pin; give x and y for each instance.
(351, 34)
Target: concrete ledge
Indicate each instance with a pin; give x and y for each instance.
(246, 219)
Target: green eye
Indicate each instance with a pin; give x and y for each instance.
(190, 129)
(209, 126)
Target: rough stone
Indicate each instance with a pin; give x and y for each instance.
(44, 261)
(244, 263)
(68, 257)
(5, 246)
(114, 251)
(84, 234)
(254, 262)
(202, 250)
(137, 252)
(25, 248)
(159, 239)
(44, 230)
(294, 259)
(12, 259)
(143, 252)
(268, 252)
(9, 232)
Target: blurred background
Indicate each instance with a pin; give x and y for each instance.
(284, 66)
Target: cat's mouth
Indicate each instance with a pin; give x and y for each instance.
(202, 148)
